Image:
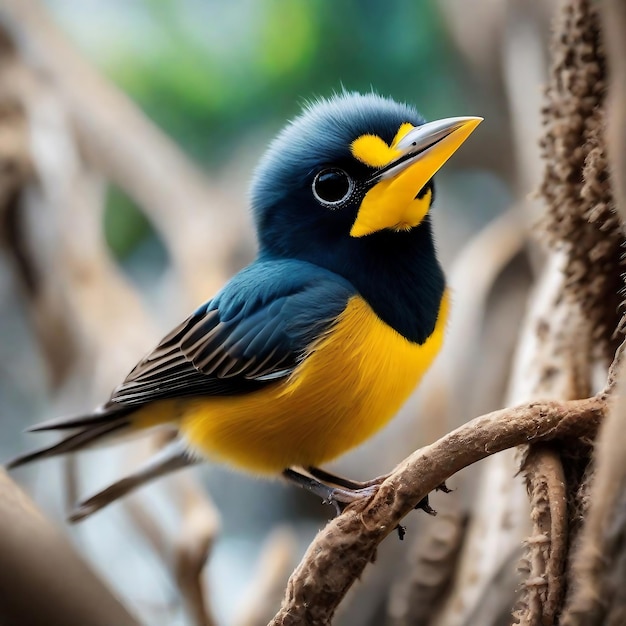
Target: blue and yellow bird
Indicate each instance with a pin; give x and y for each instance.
(313, 347)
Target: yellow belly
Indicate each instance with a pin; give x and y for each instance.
(350, 385)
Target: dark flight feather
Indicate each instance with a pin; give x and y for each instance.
(251, 334)
(88, 434)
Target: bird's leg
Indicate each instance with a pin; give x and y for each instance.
(348, 490)
(347, 483)
(339, 496)
(354, 485)
(171, 457)
(443, 487)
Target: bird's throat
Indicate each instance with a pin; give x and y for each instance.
(399, 276)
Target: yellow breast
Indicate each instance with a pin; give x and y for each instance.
(351, 384)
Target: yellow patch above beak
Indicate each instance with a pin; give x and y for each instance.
(405, 166)
(373, 151)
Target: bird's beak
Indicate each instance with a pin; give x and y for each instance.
(416, 155)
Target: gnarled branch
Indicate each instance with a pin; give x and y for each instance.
(340, 552)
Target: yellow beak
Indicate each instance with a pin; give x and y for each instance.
(418, 154)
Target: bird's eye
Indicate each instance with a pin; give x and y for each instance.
(332, 186)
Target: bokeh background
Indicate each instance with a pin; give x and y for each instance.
(220, 79)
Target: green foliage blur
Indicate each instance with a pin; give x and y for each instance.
(211, 73)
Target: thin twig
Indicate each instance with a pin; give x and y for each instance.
(200, 526)
(277, 558)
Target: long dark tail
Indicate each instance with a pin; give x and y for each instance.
(173, 456)
(86, 430)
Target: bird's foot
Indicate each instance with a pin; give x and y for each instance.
(341, 498)
(342, 492)
(345, 493)
(347, 483)
(443, 487)
(424, 505)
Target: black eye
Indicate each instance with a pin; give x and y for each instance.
(332, 186)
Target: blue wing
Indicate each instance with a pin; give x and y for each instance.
(254, 332)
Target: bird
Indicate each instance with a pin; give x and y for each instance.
(313, 347)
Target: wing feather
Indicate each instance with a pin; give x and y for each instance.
(251, 335)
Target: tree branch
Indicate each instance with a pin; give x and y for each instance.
(547, 547)
(340, 552)
(42, 580)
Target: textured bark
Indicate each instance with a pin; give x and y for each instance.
(598, 571)
(341, 551)
(580, 216)
(547, 546)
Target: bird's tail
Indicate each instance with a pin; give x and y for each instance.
(173, 456)
(106, 422)
(85, 430)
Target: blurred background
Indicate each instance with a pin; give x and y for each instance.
(147, 236)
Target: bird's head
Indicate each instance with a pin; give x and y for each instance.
(349, 168)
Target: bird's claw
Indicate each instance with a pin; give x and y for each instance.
(424, 505)
(443, 487)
